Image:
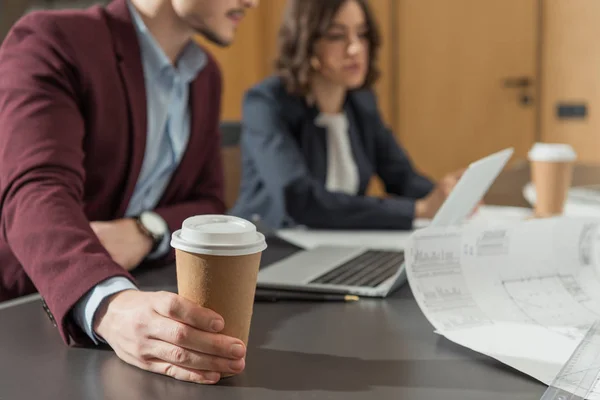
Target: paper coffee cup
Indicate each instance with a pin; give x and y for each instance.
(217, 258)
(551, 174)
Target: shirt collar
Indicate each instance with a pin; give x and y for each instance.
(337, 121)
(191, 61)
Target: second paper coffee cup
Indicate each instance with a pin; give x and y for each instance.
(217, 258)
(551, 174)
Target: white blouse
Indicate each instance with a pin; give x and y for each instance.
(342, 172)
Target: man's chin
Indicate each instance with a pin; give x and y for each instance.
(216, 38)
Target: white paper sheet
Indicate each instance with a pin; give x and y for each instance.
(521, 292)
(387, 240)
(378, 240)
(581, 201)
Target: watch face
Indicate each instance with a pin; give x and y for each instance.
(154, 223)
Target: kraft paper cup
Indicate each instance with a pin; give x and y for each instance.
(551, 174)
(217, 258)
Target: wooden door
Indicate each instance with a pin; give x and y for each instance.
(571, 76)
(453, 60)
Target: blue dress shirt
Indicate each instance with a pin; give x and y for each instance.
(168, 122)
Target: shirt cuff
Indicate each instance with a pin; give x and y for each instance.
(162, 249)
(85, 309)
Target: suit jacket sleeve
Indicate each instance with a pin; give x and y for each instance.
(393, 165)
(270, 144)
(208, 194)
(42, 174)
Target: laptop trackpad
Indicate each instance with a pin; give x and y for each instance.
(305, 266)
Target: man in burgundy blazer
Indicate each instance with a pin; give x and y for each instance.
(73, 134)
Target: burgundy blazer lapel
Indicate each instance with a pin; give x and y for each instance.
(128, 53)
(200, 122)
(129, 58)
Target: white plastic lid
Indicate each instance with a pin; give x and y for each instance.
(553, 152)
(219, 235)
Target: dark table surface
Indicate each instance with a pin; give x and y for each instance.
(372, 349)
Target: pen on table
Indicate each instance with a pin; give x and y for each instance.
(274, 296)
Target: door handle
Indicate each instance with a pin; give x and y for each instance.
(518, 82)
(523, 83)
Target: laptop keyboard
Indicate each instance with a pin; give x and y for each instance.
(369, 269)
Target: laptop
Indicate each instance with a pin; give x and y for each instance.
(377, 273)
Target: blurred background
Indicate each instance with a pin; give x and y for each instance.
(460, 78)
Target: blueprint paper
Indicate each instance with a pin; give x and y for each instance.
(521, 292)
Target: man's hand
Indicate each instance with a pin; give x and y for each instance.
(167, 334)
(429, 205)
(124, 241)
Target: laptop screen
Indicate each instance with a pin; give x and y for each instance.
(470, 189)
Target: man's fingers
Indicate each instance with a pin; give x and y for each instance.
(174, 371)
(185, 336)
(185, 358)
(178, 308)
(183, 374)
(156, 365)
(156, 334)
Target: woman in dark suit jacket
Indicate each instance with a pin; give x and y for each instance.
(313, 137)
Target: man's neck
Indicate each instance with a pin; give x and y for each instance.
(164, 25)
(328, 96)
